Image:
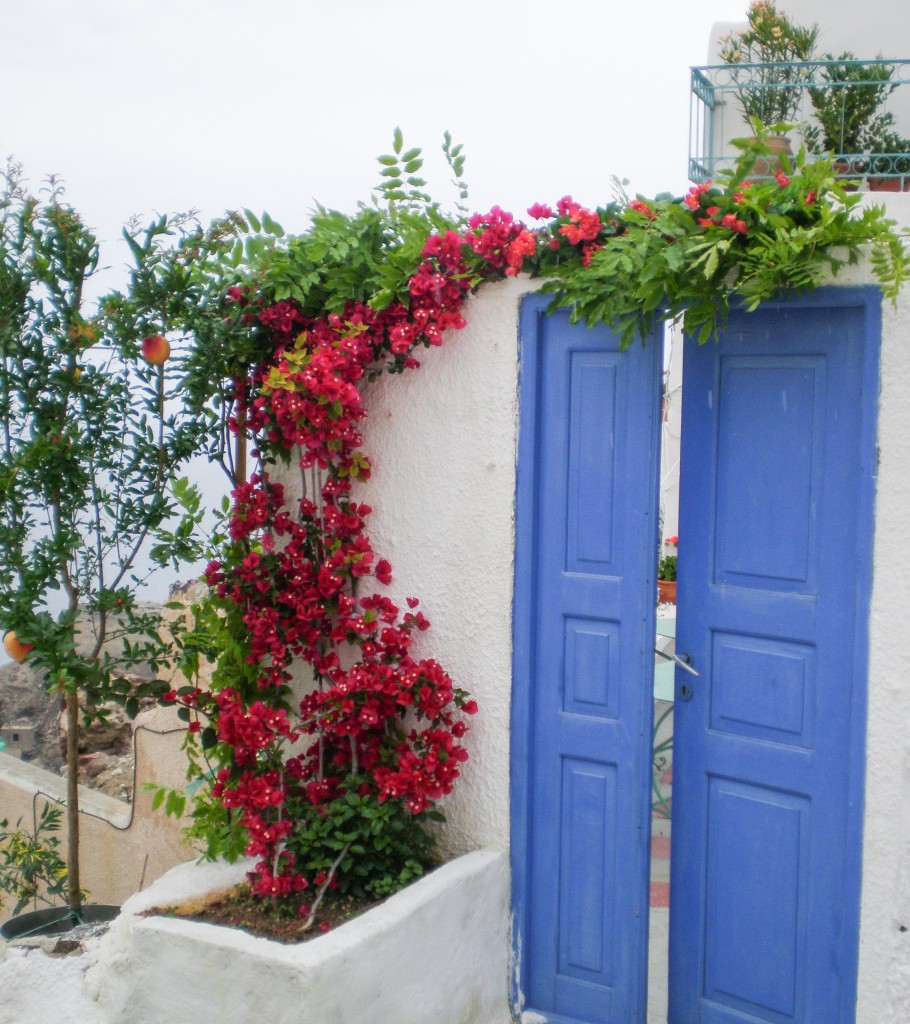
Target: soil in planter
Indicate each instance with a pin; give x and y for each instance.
(278, 919)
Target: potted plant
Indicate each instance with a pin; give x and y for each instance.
(768, 69)
(848, 109)
(90, 451)
(666, 574)
(889, 163)
(31, 868)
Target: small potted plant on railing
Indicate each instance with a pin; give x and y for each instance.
(666, 574)
(849, 110)
(771, 52)
(889, 163)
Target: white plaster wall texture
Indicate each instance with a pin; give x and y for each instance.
(670, 432)
(36, 988)
(884, 974)
(442, 440)
(435, 952)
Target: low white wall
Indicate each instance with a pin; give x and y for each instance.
(435, 953)
(122, 848)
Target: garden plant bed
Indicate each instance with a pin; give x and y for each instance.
(435, 951)
(281, 920)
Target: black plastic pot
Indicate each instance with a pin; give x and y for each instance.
(55, 921)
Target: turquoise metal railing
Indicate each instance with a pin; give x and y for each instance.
(859, 110)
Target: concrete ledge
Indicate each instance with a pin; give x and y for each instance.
(435, 953)
(30, 779)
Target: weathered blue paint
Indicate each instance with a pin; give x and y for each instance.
(583, 663)
(777, 487)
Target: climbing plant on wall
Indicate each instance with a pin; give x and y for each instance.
(331, 776)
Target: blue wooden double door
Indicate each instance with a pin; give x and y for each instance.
(777, 475)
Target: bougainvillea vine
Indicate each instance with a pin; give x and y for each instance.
(334, 786)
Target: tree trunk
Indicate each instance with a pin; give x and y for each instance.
(74, 887)
(240, 451)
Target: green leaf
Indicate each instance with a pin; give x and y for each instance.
(397, 140)
(254, 221)
(175, 804)
(273, 227)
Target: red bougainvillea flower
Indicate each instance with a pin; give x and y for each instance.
(584, 227)
(587, 253)
(539, 211)
(731, 221)
(379, 723)
(693, 199)
(519, 249)
(641, 207)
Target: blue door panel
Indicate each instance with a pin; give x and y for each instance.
(775, 550)
(584, 621)
(759, 887)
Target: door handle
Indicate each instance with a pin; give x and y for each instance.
(685, 691)
(683, 660)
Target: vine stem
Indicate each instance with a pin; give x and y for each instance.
(324, 888)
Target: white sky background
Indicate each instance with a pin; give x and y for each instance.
(166, 105)
(163, 105)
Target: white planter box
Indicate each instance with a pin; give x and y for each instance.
(435, 953)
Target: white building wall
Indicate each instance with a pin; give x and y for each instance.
(884, 970)
(442, 441)
(671, 416)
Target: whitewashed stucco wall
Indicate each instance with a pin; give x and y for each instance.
(443, 445)
(442, 440)
(884, 973)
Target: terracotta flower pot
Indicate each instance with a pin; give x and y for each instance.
(901, 184)
(768, 166)
(847, 173)
(666, 591)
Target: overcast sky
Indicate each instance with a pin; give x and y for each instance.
(163, 105)
(167, 105)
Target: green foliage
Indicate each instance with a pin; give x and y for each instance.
(388, 847)
(666, 568)
(94, 440)
(890, 153)
(368, 257)
(669, 264)
(770, 92)
(849, 108)
(31, 869)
